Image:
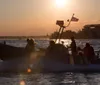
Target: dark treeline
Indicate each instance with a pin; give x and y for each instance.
(88, 32)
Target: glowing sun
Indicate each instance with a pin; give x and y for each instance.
(60, 3)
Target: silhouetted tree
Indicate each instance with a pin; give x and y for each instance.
(88, 32)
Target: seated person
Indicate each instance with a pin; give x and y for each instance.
(81, 59)
(51, 47)
(30, 45)
(57, 52)
(89, 53)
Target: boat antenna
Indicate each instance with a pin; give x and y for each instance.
(62, 27)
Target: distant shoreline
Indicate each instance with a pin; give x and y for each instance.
(21, 37)
(81, 38)
(36, 37)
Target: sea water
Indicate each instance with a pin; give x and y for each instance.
(50, 78)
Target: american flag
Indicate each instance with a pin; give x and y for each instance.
(74, 19)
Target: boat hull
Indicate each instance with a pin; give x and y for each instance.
(8, 52)
(45, 65)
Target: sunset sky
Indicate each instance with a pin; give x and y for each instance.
(38, 17)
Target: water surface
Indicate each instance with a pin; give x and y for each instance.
(51, 78)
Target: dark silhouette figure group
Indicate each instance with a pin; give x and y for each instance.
(80, 56)
(59, 52)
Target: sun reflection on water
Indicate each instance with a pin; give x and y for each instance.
(29, 70)
(22, 82)
(67, 42)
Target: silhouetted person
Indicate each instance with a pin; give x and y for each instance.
(89, 53)
(73, 49)
(80, 56)
(57, 52)
(30, 45)
(51, 47)
(73, 46)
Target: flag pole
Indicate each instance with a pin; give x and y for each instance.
(70, 20)
(66, 26)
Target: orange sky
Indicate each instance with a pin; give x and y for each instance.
(38, 17)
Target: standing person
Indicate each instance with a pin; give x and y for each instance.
(89, 53)
(73, 49)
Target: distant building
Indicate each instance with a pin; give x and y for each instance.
(92, 26)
